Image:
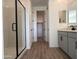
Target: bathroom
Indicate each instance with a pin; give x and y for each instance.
(20, 26)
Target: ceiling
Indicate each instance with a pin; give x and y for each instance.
(39, 2)
(34, 2)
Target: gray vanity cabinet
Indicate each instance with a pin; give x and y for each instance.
(68, 43)
(62, 36)
(72, 45)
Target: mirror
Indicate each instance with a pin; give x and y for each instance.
(62, 16)
(21, 26)
(72, 17)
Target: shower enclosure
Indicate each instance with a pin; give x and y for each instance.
(14, 28)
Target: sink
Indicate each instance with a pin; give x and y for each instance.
(73, 28)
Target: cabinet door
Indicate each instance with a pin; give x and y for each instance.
(60, 41)
(64, 43)
(72, 48)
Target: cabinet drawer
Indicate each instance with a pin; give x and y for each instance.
(72, 35)
(62, 33)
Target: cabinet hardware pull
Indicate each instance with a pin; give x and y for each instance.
(76, 45)
(61, 38)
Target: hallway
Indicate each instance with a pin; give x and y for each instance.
(40, 50)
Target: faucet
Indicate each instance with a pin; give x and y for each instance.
(72, 27)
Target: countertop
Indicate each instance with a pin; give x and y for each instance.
(67, 30)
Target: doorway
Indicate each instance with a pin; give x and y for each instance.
(40, 25)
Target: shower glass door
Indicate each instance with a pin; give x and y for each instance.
(21, 27)
(9, 32)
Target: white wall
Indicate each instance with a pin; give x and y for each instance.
(54, 7)
(1, 32)
(34, 15)
(72, 5)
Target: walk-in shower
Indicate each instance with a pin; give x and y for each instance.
(14, 28)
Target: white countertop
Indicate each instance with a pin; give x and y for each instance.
(67, 30)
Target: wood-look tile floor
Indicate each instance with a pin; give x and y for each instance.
(40, 50)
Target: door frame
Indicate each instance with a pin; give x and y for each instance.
(35, 9)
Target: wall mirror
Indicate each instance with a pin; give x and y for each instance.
(62, 16)
(72, 16)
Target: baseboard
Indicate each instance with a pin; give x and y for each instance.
(22, 54)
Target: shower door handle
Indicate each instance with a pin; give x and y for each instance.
(13, 26)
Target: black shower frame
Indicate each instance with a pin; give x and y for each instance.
(16, 19)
